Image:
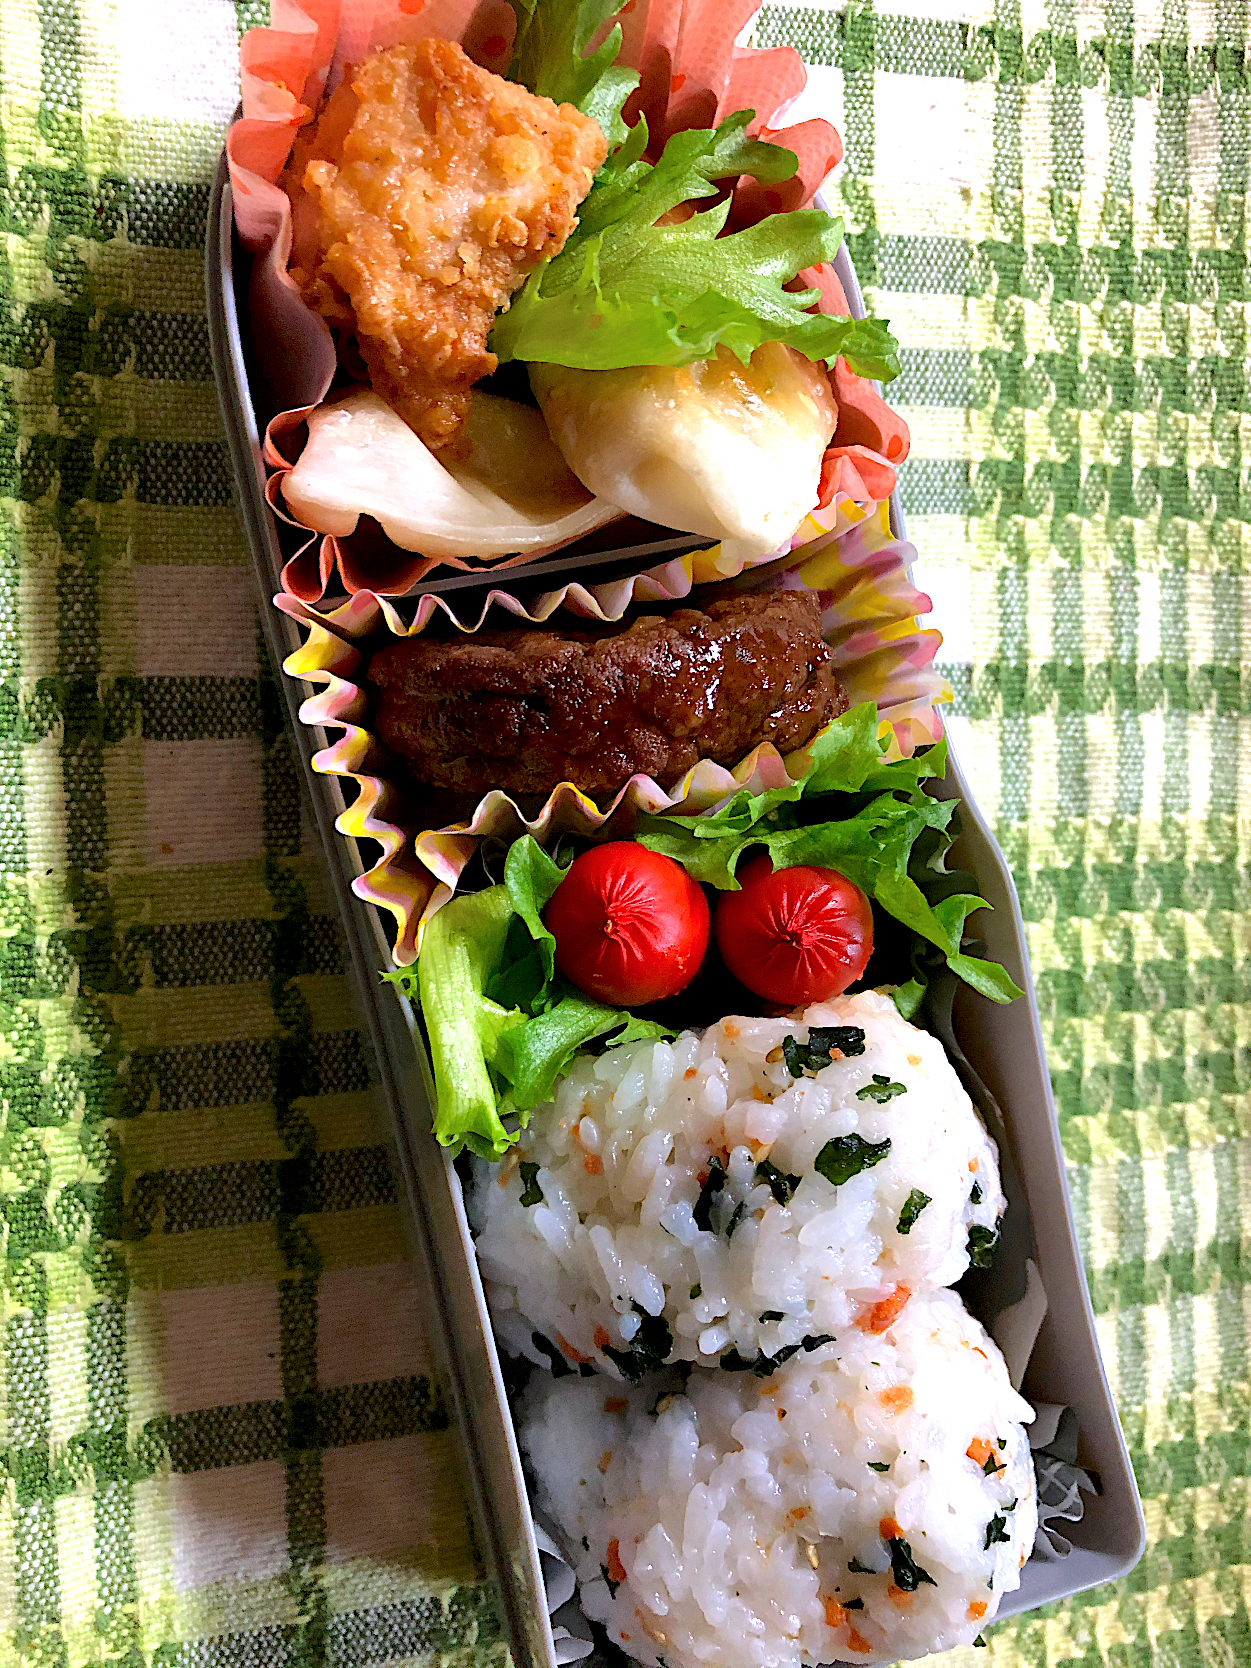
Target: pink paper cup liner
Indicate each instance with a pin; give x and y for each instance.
(870, 617)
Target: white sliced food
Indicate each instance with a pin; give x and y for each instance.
(729, 450)
(513, 494)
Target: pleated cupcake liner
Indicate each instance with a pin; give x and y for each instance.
(870, 618)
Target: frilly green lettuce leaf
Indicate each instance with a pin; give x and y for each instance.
(463, 946)
(625, 291)
(550, 58)
(889, 837)
(640, 294)
(502, 1030)
(530, 1057)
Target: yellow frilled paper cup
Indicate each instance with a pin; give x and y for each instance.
(870, 617)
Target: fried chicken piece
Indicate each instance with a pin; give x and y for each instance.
(422, 197)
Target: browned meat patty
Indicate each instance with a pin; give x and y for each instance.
(524, 710)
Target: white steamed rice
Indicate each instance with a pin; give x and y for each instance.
(730, 1513)
(612, 1259)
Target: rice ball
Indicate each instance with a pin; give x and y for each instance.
(736, 1195)
(871, 1500)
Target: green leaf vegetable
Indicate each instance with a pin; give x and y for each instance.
(502, 1028)
(824, 1041)
(550, 57)
(845, 1156)
(881, 1089)
(625, 291)
(914, 1204)
(907, 1573)
(982, 1243)
(868, 818)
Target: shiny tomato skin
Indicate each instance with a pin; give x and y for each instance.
(795, 935)
(631, 926)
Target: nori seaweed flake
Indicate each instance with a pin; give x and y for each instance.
(781, 1185)
(714, 1181)
(608, 1581)
(532, 1193)
(982, 1243)
(996, 1531)
(846, 1156)
(764, 1366)
(908, 1574)
(648, 1349)
(881, 1089)
(914, 1204)
(818, 1052)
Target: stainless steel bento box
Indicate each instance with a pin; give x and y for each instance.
(1003, 1063)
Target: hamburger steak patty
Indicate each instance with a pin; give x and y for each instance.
(523, 710)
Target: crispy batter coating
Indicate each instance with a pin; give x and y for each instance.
(423, 195)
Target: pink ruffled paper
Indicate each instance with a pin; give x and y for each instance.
(870, 612)
(692, 74)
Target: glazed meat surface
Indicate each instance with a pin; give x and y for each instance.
(524, 710)
(422, 197)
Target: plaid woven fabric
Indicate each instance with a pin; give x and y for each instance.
(224, 1447)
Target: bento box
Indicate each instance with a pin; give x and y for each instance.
(1034, 1297)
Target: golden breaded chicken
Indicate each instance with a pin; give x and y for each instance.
(422, 197)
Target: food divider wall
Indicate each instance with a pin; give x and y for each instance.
(1002, 1056)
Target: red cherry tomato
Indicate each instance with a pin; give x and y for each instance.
(631, 926)
(794, 935)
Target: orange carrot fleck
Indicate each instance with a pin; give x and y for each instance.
(689, 1073)
(973, 1163)
(731, 1031)
(835, 1613)
(898, 1399)
(614, 1404)
(856, 1641)
(566, 1348)
(881, 1315)
(898, 1597)
(799, 1513)
(979, 1450)
(593, 1164)
(602, 1341)
(976, 1610)
(612, 1563)
(889, 1530)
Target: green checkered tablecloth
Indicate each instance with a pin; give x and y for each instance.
(223, 1443)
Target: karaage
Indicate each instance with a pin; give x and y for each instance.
(423, 195)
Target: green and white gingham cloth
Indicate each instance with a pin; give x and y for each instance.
(223, 1443)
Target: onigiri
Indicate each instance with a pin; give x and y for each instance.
(870, 1500)
(737, 1195)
